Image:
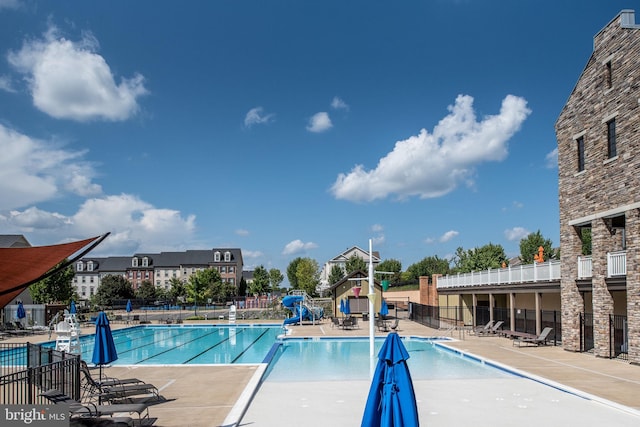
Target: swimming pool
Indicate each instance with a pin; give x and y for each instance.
(337, 359)
(189, 344)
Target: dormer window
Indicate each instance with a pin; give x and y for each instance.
(79, 266)
(227, 256)
(90, 266)
(134, 261)
(145, 261)
(216, 257)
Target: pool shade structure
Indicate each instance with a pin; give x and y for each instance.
(392, 400)
(21, 314)
(384, 309)
(24, 266)
(104, 349)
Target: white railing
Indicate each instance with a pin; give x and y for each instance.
(537, 272)
(616, 264)
(531, 273)
(585, 267)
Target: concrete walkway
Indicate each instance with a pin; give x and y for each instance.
(207, 395)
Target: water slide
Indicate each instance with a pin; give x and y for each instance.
(295, 303)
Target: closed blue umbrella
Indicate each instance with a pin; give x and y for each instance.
(21, 314)
(342, 306)
(104, 349)
(392, 400)
(129, 308)
(72, 308)
(347, 309)
(384, 309)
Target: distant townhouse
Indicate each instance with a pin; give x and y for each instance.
(341, 261)
(598, 133)
(158, 269)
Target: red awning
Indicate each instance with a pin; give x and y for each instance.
(21, 267)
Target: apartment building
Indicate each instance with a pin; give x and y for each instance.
(157, 268)
(598, 134)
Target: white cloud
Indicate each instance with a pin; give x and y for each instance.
(33, 171)
(320, 122)
(377, 228)
(551, 159)
(448, 236)
(251, 254)
(429, 240)
(339, 104)
(516, 233)
(378, 240)
(69, 80)
(9, 4)
(255, 116)
(297, 247)
(135, 225)
(242, 232)
(6, 84)
(431, 165)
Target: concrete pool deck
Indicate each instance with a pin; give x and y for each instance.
(216, 395)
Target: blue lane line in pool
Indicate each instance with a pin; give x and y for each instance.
(177, 346)
(207, 349)
(153, 343)
(249, 346)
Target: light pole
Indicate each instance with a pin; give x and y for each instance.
(372, 297)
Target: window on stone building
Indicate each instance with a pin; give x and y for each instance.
(611, 139)
(607, 75)
(580, 144)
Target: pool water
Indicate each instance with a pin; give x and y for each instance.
(190, 345)
(330, 359)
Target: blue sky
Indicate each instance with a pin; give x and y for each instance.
(287, 128)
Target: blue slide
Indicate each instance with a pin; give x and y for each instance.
(292, 302)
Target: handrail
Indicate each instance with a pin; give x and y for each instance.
(537, 272)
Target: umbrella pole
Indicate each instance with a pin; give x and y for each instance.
(371, 313)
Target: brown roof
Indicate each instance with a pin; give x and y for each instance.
(21, 267)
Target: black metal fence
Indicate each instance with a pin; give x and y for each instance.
(586, 332)
(29, 369)
(618, 337)
(525, 319)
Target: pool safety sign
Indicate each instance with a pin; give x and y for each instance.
(35, 415)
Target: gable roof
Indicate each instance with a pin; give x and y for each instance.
(344, 256)
(358, 274)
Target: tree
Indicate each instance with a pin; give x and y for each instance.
(178, 291)
(392, 266)
(427, 267)
(146, 291)
(112, 287)
(260, 283)
(275, 279)
(199, 286)
(336, 274)
(529, 247)
(585, 236)
(292, 271)
(57, 287)
(355, 263)
(482, 258)
(308, 275)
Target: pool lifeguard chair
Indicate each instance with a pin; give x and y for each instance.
(68, 334)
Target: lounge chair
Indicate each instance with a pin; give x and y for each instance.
(395, 324)
(79, 409)
(492, 331)
(108, 381)
(336, 322)
(480, 329)
(536, 340)
(116, 391)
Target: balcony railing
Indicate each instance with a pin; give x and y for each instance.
(532, 273)
(537, 272)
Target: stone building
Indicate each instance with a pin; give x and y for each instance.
(598, 133)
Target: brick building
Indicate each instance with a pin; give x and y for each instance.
(598, 133)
